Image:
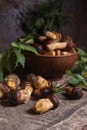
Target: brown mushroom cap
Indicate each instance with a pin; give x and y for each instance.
(54, 100)
(77, 92)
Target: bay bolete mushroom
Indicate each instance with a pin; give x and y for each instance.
(21, 96)
(74, 92)
(12, 81)
(56, 45)
(45, 104)
(39, 82)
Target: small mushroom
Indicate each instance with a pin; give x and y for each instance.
(37, 92)
(30, 77)
(12, 81)
(69, 41)
(74, 92)
(21, 96)
(58, 52)
(54, 35)
(39, 82)
(51, 53)
(44, 92)
(28, 87)
(65, 53)
(45, 104)
(77, 92)
(42, 38)
(51, 35)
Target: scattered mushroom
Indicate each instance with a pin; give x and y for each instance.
(74, 92)
(44, 92)
(42, 86)
(12, 81)
(39, 82)
(45, 104)
(20, 96)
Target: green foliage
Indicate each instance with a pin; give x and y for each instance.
(24, 47)
(13, 56)
(57, 87)
(81, 64)
(77, 79)
(79, 71)
(47, 16)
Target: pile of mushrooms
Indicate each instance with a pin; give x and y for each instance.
(17, 92)
(54, 44)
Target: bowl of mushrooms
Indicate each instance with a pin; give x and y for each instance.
(56, 54)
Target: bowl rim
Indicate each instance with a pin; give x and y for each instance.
(61, 56)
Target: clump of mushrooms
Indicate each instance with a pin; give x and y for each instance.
(54, 44)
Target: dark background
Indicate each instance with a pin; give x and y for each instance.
(14, 12)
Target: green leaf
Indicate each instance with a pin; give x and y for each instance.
(84, 74)
(56, 87)
(29, 41)
(77, 79)
(24, 47)
(78, 67)
(19, 58)
(82, 52)
(21, 40)
(68, 72)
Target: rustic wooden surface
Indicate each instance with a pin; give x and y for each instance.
(71, 114)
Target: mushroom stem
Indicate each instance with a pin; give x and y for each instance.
(56, 45)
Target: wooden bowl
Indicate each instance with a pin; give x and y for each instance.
(51, 67)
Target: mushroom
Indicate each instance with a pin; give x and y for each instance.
(58, 52)
(51, 53)
(45, 104)
(44, 92)
(54, 35)
(69, 41)
(39, 82)
(51, 35)
(30, 77)
(56, 45)
(74, 92)
(20, 96)
(42, 38)
(42, 86)
(12, 81)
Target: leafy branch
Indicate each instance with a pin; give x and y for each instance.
(78, 72)
(13, 56)
(47, 16)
